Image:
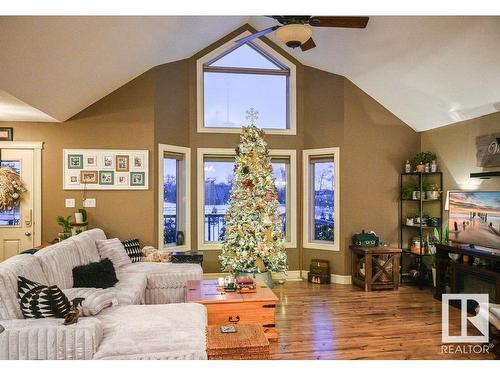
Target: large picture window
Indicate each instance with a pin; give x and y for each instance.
(174, 197)
(234, 78)
(215, 169)
(321, 199)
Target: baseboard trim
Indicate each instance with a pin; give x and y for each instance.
(294, 275)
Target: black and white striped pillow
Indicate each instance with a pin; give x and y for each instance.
(133, 249)
(41, 301)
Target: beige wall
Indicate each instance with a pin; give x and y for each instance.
(455, 146)
(123, 119)
(160, 107)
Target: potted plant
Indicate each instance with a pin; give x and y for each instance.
(65, 223)
(407, 191)
(431, 191)
(421, 159)
(81, 216)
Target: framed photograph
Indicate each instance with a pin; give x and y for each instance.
(137, 179)
(108, 161)
(122, 179)
(74, 179)
(122, 163)
(90, 161)
(106, 178)
(6, 134)
(88, 177)
(75, 161)
(138, 161)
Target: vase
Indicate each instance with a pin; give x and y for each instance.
(434, 276)
(266, 277)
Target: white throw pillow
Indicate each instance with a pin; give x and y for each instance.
(114, 250)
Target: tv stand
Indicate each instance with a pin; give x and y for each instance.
(450, 274)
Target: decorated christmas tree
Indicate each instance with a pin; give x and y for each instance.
(253, 240)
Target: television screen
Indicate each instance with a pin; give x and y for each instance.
(474, 218)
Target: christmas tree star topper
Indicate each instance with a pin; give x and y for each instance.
(252, 115)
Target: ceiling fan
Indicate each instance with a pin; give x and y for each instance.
(296, 31)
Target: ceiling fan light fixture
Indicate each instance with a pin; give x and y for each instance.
(294, 35)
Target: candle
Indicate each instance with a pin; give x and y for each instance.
(220, 281)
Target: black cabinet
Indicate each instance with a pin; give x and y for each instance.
(187, 257)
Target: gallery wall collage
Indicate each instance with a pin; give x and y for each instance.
(105, 169)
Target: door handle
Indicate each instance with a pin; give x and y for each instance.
(235, 320)
(30, 219)
(27, 234)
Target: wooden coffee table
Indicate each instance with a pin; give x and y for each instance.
(233, 307)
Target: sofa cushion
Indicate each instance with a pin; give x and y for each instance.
(20, 265)
(133, 249)
(175, 331)
(114, 250)
(96, 234)
(41, 301)
(58, 262)
(86, 246)
(95, 300)
(130, 288)
(166, 275)
(95, 275)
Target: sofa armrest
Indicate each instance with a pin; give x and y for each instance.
(49, 339)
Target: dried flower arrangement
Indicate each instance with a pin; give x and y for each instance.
(11, 188)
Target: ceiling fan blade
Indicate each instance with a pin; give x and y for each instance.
(340, 21)
(308, 45)
(258, 34)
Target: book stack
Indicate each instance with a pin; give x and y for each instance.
(245, 284)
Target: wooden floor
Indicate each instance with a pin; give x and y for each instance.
(343, 322)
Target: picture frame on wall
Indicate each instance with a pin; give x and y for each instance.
(75, 161)
(122, 163)
(106, 177)
(88, 177)
(6, 134)
(137, 179)
(105, 169)
(108, 161)
(138, 161)
(90, 161)
(122, 178)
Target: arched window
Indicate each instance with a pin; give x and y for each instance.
(234, 78)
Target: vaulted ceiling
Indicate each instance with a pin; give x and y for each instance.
(428, 71)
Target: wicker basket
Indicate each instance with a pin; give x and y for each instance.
(249, 342)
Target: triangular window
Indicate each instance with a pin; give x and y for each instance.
(246, 56)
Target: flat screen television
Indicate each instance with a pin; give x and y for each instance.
(474, 218)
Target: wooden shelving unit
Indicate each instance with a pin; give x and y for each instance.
(407, 232)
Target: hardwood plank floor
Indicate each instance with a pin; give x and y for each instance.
(343, 322)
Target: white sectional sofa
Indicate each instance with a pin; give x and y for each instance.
(116, 323)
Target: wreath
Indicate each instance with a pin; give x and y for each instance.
(11, 188)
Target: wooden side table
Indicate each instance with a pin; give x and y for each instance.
(381, 267)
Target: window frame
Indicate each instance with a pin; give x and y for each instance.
(183, 188)
(275, 56)
(308, 183)
(291, 207)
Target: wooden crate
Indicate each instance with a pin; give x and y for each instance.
(249, 342)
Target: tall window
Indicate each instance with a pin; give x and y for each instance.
(215, 169)
(321, 207)
(174, 197)
(234, 78)
(11, 218)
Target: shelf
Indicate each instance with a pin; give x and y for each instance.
(418, 200)
(406, 251)
(421, 173)
(420, 226)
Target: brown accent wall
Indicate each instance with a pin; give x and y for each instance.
(121, 120)
(455, 146)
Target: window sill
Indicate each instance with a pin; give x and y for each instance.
(238, 131)
(321, 246)
(182, 248)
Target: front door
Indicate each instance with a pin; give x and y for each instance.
(16, 225)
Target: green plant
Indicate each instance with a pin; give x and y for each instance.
(408, 190)
(428, 186)
(65, 223)
(83, 211)
(422, 157)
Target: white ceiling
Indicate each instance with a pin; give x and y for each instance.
(428, 71)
